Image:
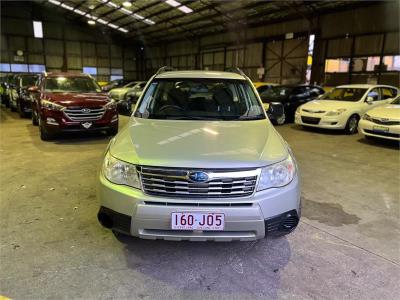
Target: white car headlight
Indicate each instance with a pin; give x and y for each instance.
(120, 172)
(298, 110)
(51, 105)
(367, 117)
(336, 112)
(277, 175)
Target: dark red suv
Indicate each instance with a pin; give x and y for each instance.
(70, 102)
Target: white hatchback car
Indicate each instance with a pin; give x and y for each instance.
(382, 122)
(343, 107)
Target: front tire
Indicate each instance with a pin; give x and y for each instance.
(282, 119)
(45, 135)
(112, 131)
(352, 124)
(34, 118)
(21, 111)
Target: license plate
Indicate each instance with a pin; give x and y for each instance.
(197, 221)
(381, 128)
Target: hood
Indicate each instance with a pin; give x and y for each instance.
(78, 99)
(199, 144)
(390, 111)
(119, 90)
(327, 105)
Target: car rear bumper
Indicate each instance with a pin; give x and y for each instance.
(368, 128)
(247, 218)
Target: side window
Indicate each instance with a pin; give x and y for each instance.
(374, 93)
(387, 93)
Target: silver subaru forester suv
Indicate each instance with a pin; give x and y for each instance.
(199, 160)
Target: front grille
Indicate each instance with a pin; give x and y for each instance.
(386, 122)
(175, 183)
(382, 133)
(313, 111)
(310, 120)
(84, 114)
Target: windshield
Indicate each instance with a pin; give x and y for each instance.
(396, 101)
(28, 80)
(200, 99)
(71, 84)
(276, 93)
(345, 94)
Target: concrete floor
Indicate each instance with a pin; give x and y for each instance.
(346, 246)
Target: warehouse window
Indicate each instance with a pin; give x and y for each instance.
(337, 65)
(4, 67)
(90, 70)
(362, 64)
(19, 68)
(37, 29)
(37, 68)
(391, 63)
(116, 77)
(116, 71)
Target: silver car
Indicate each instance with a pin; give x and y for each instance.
(199, 160)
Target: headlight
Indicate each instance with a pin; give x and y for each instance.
(51, 105)
(277, 175)
(110, 105)
(335, 112)
(298, 110)
(120, 172)
(367, 117)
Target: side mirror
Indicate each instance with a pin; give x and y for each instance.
(33, 89)
(369, 100)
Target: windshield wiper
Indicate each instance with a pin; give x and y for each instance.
(259, 117)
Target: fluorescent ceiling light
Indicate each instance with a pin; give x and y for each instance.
(89, 16)
(185, 9)
(126, 11)
(67, 6)
(55, 2)
(91, 22)
(137, 16)
(112, 4)
(79, 12)
(127, 4)
(173, 3)
(123, 30)
(112, 25)
(148, 21)
(102, 21)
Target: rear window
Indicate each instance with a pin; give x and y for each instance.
(200, 99)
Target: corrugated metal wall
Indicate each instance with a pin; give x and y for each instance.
(66, 45)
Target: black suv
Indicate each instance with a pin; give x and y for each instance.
(20, 99)
(282, 101)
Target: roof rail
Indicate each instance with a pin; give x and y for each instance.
(235, 70)
(165, 69)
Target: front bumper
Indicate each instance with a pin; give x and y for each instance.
(369, 128)
(334, 122)
(246, 218)
(56, 122)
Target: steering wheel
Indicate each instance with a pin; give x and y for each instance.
(171, 106)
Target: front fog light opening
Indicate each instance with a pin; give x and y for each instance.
(51, 121)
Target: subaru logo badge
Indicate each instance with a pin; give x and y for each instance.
(86, 110)
(198, 176)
